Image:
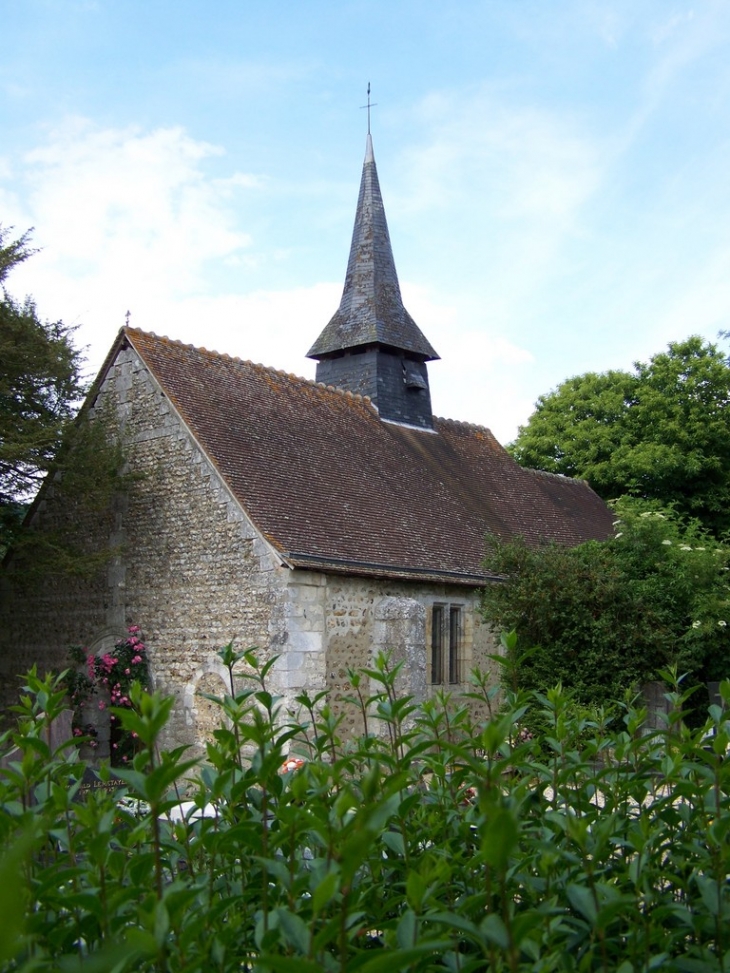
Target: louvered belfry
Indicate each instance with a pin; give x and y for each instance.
(372, 346)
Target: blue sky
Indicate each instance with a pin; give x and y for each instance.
(556, 176)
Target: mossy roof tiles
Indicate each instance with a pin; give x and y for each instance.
(333, 487)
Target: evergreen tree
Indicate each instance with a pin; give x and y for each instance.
(41, 389)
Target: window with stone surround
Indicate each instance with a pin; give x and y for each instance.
(446, 644)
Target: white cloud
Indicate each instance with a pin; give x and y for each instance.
(703, 306)
(110, 199)
(681, 42)
(478, 378)
(125, 219)
(520, 182)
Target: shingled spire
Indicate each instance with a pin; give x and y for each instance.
(372, 345)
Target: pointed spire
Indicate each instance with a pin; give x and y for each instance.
(371, 311)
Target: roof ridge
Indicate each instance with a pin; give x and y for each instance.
(247, 361)
(464, 423)
(334, 388)
(555, 476)
(200, 348)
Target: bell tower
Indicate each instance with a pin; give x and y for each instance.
(372, 345)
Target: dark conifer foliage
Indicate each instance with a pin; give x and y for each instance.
(41, 387)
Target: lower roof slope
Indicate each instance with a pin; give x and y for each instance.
(331, 486)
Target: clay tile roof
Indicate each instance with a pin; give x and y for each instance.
(333, 487)
(371, 310)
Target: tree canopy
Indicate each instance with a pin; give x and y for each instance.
(605, 616)
(41, 388)
(661, 432)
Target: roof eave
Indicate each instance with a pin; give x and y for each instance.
(330, 565)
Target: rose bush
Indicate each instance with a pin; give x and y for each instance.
(107, 680)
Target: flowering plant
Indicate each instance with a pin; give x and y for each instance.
(106, 680)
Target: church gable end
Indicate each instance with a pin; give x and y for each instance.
(189, 566)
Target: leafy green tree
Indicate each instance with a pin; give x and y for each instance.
(40, 389)
(606, 615)
(661, 432)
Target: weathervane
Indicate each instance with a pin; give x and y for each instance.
(369, 106)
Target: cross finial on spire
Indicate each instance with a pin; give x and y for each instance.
(369, 106)
(127, 316)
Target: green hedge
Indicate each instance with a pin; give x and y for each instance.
(434, 843)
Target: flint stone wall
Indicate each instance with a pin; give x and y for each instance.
(366, 616)
(191, 570)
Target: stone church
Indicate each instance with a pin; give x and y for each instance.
(317, 520)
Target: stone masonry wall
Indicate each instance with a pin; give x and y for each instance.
(328, 624)
(191, 571)
(364, 616)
